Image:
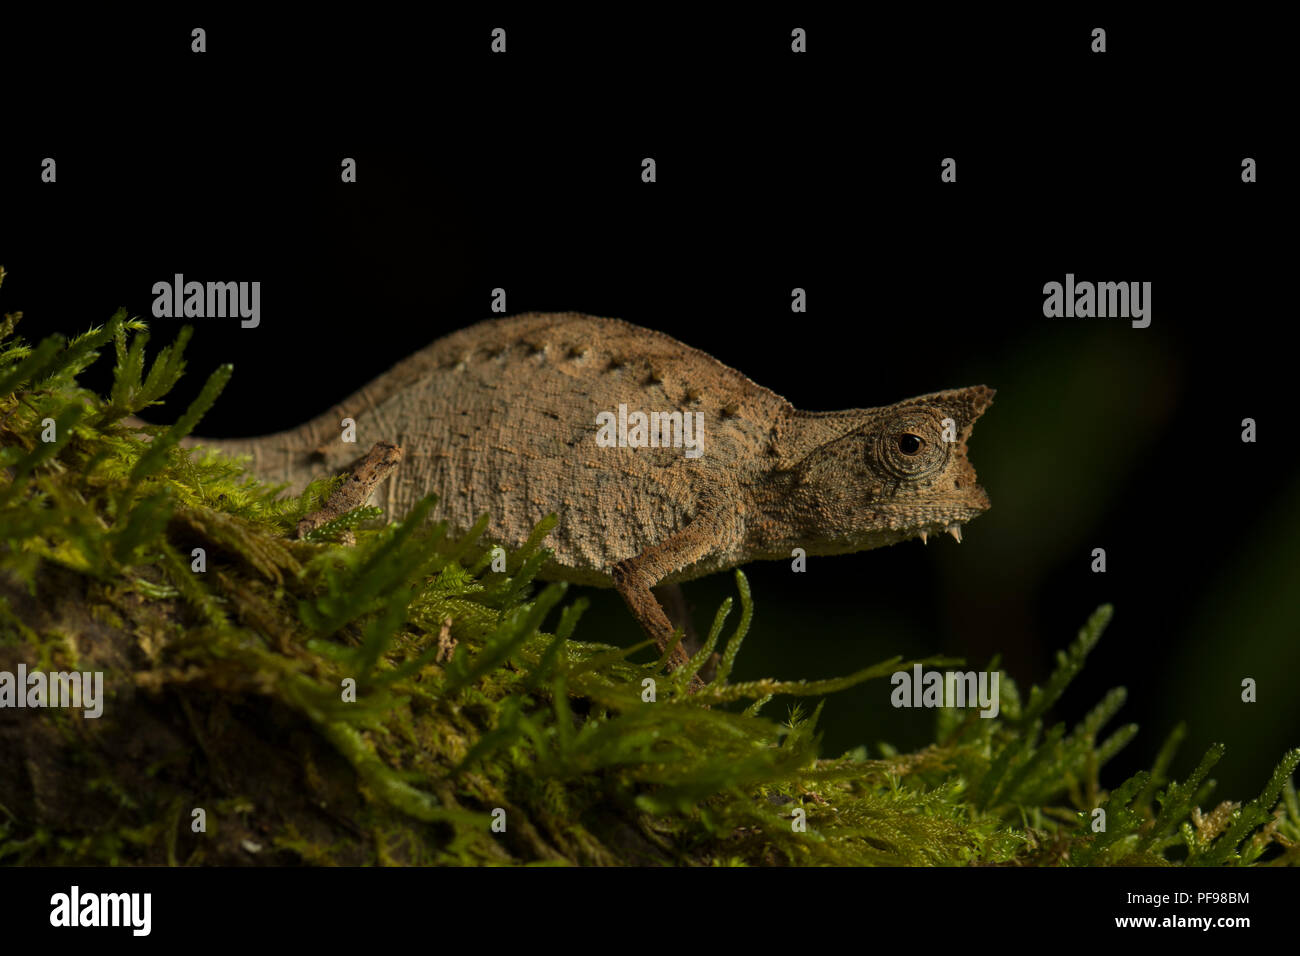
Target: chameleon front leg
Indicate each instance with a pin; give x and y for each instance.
(673, 601)
(713, 529)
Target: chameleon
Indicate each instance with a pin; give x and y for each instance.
(504, 417)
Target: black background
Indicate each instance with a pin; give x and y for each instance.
(774, 171)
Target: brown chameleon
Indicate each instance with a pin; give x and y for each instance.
(502, 417)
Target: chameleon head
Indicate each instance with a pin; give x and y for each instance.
(901, 473)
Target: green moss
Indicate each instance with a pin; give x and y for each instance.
(228, 691)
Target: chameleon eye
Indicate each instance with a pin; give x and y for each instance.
(910, 444)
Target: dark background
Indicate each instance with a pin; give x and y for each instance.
(774, 171)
